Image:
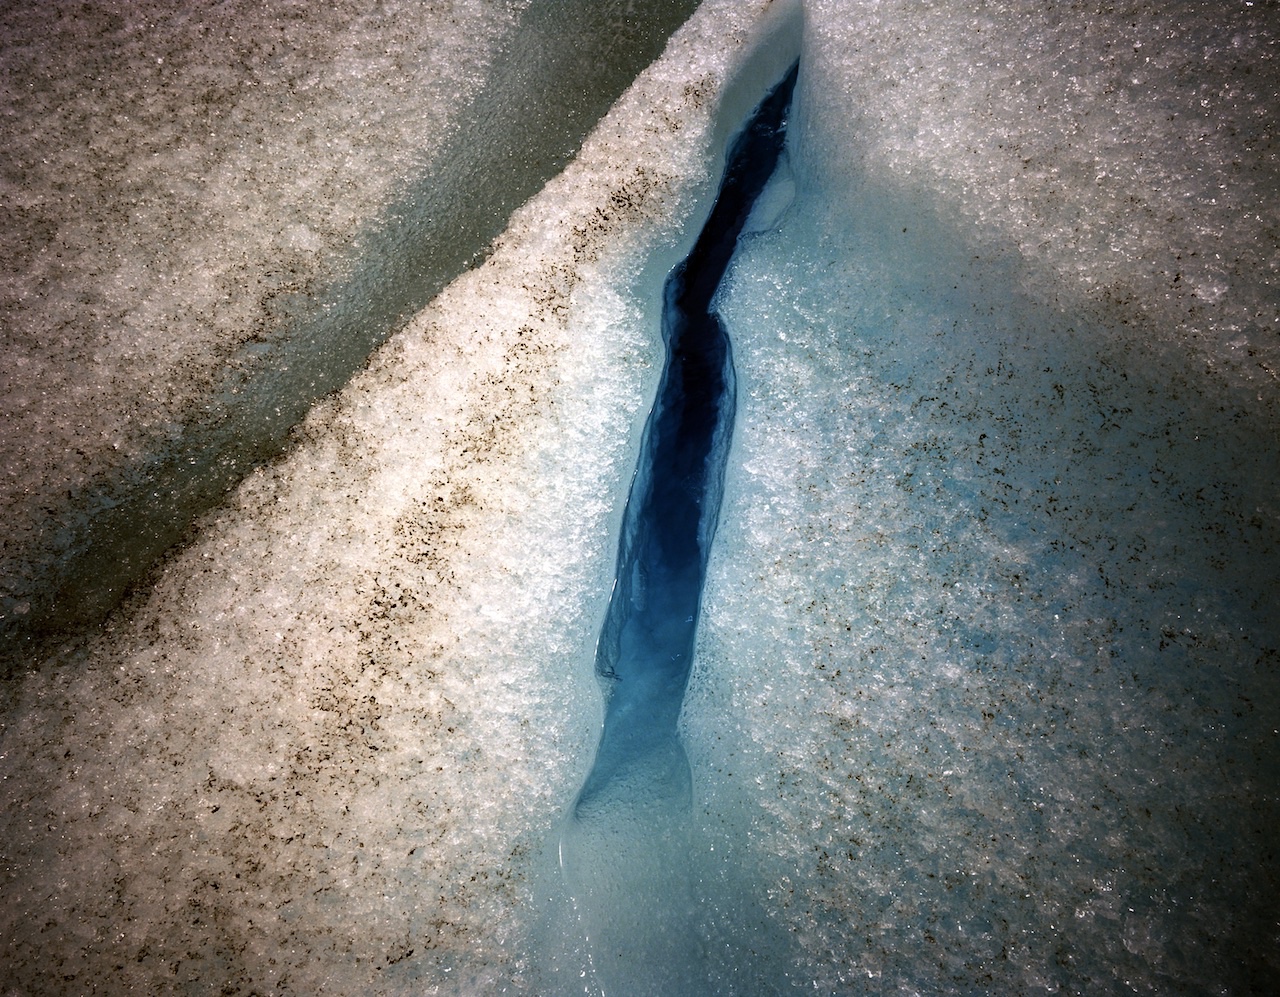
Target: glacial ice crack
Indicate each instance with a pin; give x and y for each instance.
(646, 645)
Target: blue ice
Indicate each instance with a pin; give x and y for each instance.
(625, 849)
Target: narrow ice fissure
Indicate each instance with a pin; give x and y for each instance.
(646, 644)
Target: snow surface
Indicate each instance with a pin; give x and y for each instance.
(986, 695)
(177, 180)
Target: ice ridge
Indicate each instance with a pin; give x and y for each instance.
(90, 544)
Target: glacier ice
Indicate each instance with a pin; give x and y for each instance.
(985, 685)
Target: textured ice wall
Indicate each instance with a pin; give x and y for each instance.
(987, 690)
(327, 752)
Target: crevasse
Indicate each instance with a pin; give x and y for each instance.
(638, 789)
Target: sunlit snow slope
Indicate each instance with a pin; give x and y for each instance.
(985, 695)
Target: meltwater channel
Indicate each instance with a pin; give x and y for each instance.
(623, 849)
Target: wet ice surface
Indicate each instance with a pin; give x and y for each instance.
(624, 850)
(646, 645)
(986, 688)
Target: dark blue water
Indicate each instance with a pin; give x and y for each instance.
(646, 644)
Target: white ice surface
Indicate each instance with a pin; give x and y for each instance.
(173, 177)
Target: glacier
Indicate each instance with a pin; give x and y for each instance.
(984, 693)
